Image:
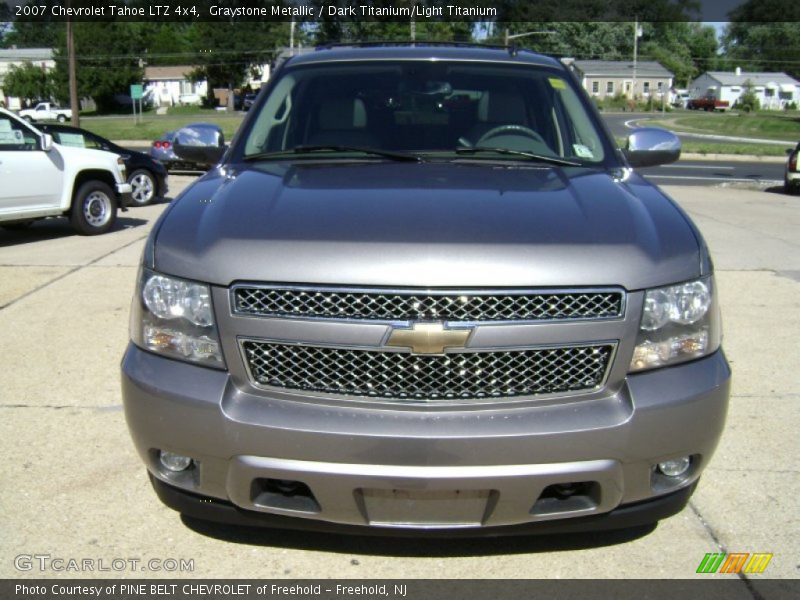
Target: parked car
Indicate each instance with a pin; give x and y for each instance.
(791, 179)
(247, 102)
(147, 176)
(163, 151)
(46, 111)
(42, 178)
(382, 311)
(707, 103)
(680, 98)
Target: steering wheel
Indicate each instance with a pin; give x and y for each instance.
(514, 129)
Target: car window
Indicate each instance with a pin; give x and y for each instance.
(426, 106)
(76, 140)
(14, 136)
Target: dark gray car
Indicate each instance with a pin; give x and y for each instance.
(423, 291)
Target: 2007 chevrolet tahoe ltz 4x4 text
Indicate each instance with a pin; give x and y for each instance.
(422, 290)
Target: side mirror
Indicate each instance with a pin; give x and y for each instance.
(789, 151)
(203, 144)
(650, 146)
(47, 142)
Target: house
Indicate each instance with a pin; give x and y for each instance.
(15, 57)
(172, 86)
(773, 90)
(608, 78)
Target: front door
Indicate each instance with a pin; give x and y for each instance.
(30, 179)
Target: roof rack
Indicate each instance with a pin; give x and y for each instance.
(332, 45)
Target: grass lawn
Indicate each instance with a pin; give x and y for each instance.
(769, 125)
(152, 125)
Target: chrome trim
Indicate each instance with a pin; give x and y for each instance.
(431, 292)
(310, 395)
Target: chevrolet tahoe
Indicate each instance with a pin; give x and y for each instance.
(423, 292)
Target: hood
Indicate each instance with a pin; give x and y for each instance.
(458, 224)
(91, 156)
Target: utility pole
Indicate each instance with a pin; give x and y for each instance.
(413, 31)
(636, 34)
(291, 37)
(72, 74)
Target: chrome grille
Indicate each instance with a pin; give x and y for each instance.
(410, 306)
(405, 376)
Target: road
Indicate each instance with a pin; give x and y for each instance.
(73, 486)
(700, 172)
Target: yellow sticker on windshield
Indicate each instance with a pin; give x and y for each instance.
(558, 84)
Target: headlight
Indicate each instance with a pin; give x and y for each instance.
(679, 323)
(175, 317)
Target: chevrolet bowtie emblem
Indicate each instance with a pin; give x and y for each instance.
(428, 338)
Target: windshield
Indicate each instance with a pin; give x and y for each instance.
(428, 108)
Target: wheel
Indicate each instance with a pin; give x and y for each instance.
(144, 187)
(61, 119)
(28, 119)
(94, 208)
(791, 189)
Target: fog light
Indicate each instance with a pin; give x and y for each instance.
(174, 462)
(676, 467)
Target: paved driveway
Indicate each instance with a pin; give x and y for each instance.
(74, 488)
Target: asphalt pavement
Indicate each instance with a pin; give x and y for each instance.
(762, 173)
(73, 486)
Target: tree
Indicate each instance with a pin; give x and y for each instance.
(763, 35)
(686, 49)
(28, 81)
(109, 56)
(227, 52)
(361, 29)
(748, 101)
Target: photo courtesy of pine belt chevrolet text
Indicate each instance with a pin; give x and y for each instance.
(422, 292)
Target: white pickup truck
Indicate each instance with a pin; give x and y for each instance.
(39, 179)
(46, 111)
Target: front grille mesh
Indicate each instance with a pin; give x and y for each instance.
(409, 306)
(404, 376)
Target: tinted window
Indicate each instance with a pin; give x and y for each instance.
(15, 136)
(426, 107)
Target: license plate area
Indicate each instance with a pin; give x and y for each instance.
(424, 508)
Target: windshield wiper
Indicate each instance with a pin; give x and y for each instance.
(541, 157)
(335, 148)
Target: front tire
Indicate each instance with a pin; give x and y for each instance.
(144, 187)
(94, 208)
(61, 119)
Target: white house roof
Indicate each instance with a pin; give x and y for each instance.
(621, 68)
(174, 73)
(25, 54)
(756, 78)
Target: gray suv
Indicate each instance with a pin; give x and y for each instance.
(422, 291)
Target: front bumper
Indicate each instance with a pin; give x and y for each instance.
(124, 191)
(416, 469)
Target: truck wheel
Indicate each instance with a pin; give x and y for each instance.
(28, 119)
(144, 187)
(61, 119)
(94, 208)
